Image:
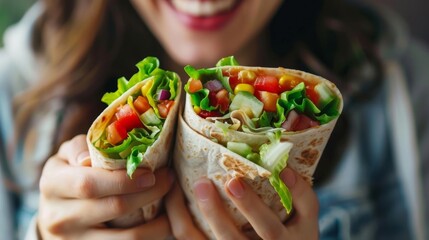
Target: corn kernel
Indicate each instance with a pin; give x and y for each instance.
(246, 76)
(145, 89)
(244, 87)
(197, 109)
(289, 80)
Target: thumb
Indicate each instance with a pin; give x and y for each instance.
(75, 151)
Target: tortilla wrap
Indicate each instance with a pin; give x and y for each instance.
(200, 152)
(196, 156)
(156, 155)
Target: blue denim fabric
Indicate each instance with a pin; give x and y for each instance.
(364, 199)
(364, 215)
(24, 216)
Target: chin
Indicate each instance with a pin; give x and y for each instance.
(199, 57)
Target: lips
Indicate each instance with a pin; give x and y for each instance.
(204, 15)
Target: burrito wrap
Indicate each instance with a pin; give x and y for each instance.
(156, 155)
(196, 156)
(200, 152)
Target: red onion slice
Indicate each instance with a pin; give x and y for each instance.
(213, 85)
(164, 94)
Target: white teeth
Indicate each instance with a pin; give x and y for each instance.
(202, 8)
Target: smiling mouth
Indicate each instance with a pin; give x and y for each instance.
(204, 15)
(204, 8)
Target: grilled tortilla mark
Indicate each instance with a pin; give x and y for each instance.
(218, 136)
(309, 157)
(316, 141)
(241, 169)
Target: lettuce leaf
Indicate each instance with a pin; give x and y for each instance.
(296, 99)
(135, 158)
(146, 67)
(227, 61)
(160, 82)
(273, 157)
(139, 139)
(201, 98)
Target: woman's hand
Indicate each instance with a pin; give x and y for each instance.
(303, 224)
(76, 200)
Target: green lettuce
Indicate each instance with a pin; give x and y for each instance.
(148, 67)
(296, 99)
(227, 61)
(200, 98)
(139, 139)
(273, 157)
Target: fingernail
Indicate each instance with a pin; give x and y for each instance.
(236, 188)
(146, 180)
(83, 158)
(288, 177)
(202, 189)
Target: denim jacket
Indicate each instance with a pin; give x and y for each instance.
(377, 191)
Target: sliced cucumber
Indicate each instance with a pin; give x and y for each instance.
(149, 118)
(248, 103)
(325, 95)
(241, 149)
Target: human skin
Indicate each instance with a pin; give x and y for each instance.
(65, 204)
(188, 41)
(76, 199)
(199, 33)
(302, 225)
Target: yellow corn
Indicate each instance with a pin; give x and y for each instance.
(197, 109)
(289, 80)
(246, 76)
(244, 87)
(147, 87)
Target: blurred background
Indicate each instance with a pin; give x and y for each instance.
(10, 12)
(414, 12)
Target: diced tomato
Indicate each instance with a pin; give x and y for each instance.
(115, 133)
(123, 111)
(141, 104)
(219, 99)
(212, 99)
(206, 114)
(305, 122)
(164, 107)
(267, 83)
(222, 100)
(233, 82)
(128, 118)
(312, 94)
(268, 99)
(195, 85)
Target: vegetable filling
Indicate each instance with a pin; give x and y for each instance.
(137, 123)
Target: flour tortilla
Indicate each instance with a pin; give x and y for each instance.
(196, 156)
(200, 152)
(308, 144)
(156, 156)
